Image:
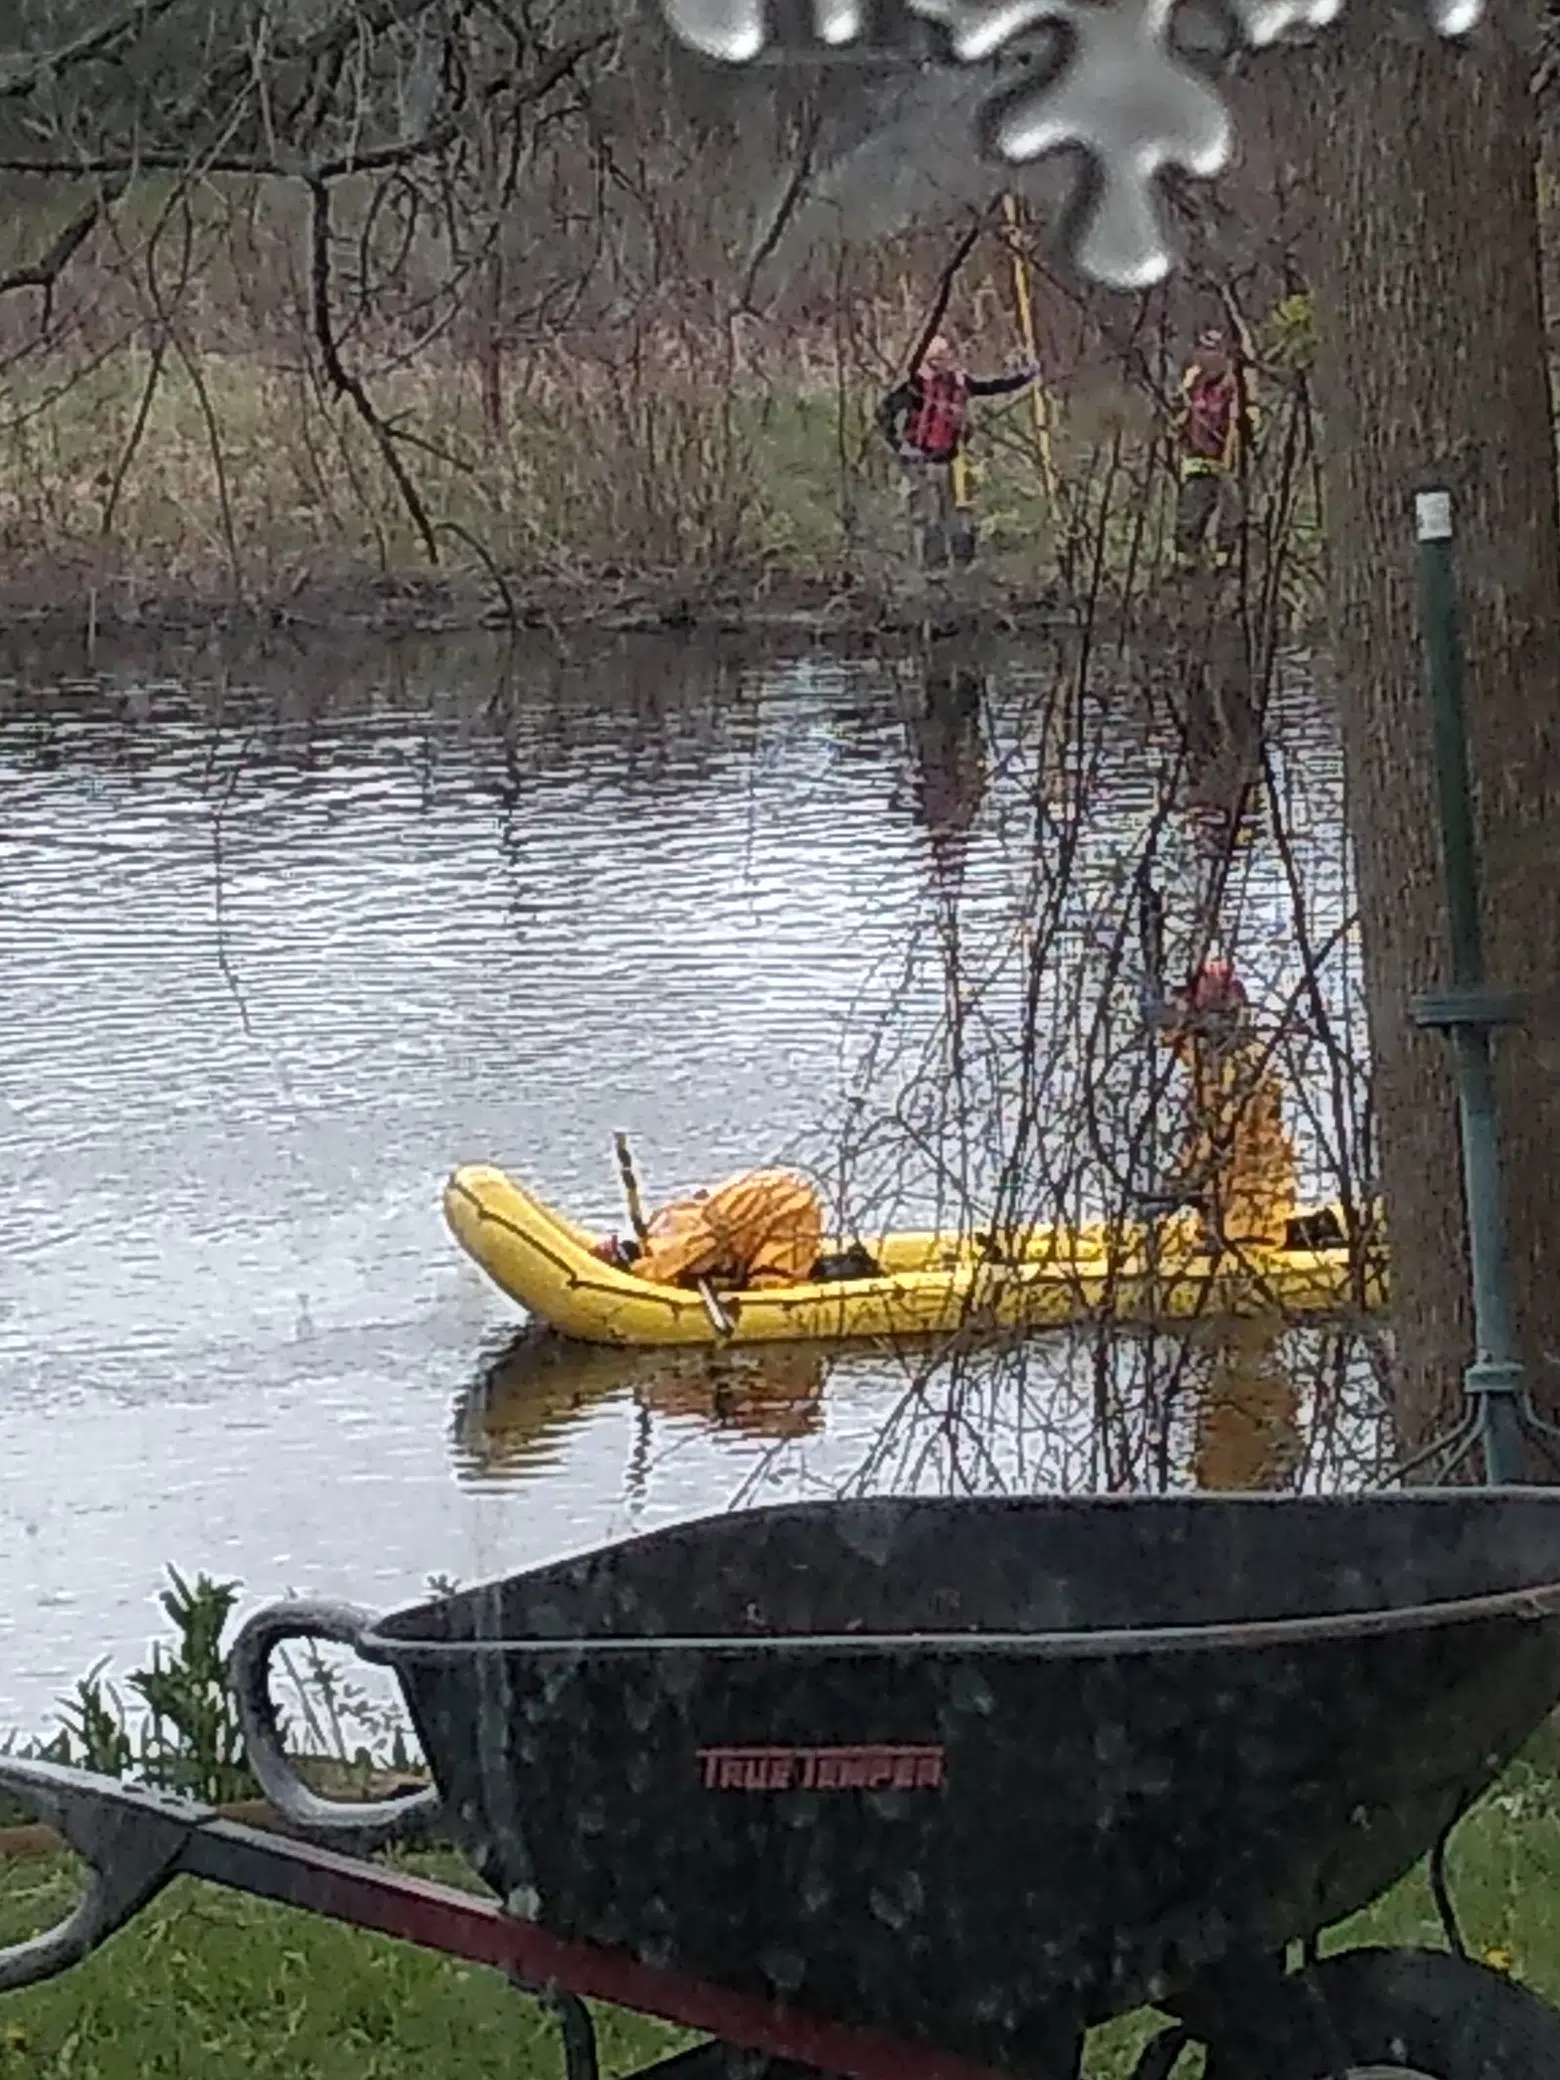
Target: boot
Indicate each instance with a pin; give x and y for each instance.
(934, 547)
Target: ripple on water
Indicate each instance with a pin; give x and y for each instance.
(275, 959)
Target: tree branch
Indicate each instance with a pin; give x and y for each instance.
(961, 253)
(266, 165)
(438, 139)
(45, 271)
(97, 43)
(331, 41)
(348, 385)
(795, 189)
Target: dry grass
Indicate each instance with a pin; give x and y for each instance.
(224, 471)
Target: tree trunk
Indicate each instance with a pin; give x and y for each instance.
(1431, 370)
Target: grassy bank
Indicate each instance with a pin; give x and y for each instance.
(143, 476)
(208, 1981)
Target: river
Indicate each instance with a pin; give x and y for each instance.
(286, 934)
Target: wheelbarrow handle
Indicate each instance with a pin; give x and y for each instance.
(370, 1822)
(131, 1839)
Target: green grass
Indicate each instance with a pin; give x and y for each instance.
(1504, 1876)
(208, 1982)
(171, 475)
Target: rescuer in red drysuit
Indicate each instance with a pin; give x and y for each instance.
(1215, 415)
(926, 418)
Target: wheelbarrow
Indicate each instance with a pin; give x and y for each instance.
(921, 1789)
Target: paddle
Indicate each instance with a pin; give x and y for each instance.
(720, 1321)
(631, 1198)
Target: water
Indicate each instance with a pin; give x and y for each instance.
(284, 938)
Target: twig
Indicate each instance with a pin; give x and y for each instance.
(96, 43)
(946, 281)
(127, 453)
(499, 582)
(795, 188)
(45, 271)
(436, 140)
(344, 382)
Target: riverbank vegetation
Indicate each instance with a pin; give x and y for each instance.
(172, 1724)
(539, 305)
(232, 475)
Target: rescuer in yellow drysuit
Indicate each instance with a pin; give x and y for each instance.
(1239, 1164)
(758, 1228)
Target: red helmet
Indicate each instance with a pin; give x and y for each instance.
(1216, 986)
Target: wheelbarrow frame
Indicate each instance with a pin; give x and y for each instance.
(137, 1842)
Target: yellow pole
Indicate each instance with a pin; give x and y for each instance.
(1026, 325)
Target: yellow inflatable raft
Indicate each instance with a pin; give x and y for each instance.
(929, 1284)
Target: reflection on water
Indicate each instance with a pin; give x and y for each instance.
(1248, 1411)
(776, 1393)
(1223, 749)
(515, 1418)
(284, 936)
(1227, 1405)
(949, 749)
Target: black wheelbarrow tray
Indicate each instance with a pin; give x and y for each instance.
(914, 1789)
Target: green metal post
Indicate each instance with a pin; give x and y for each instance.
(1495, 1380)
